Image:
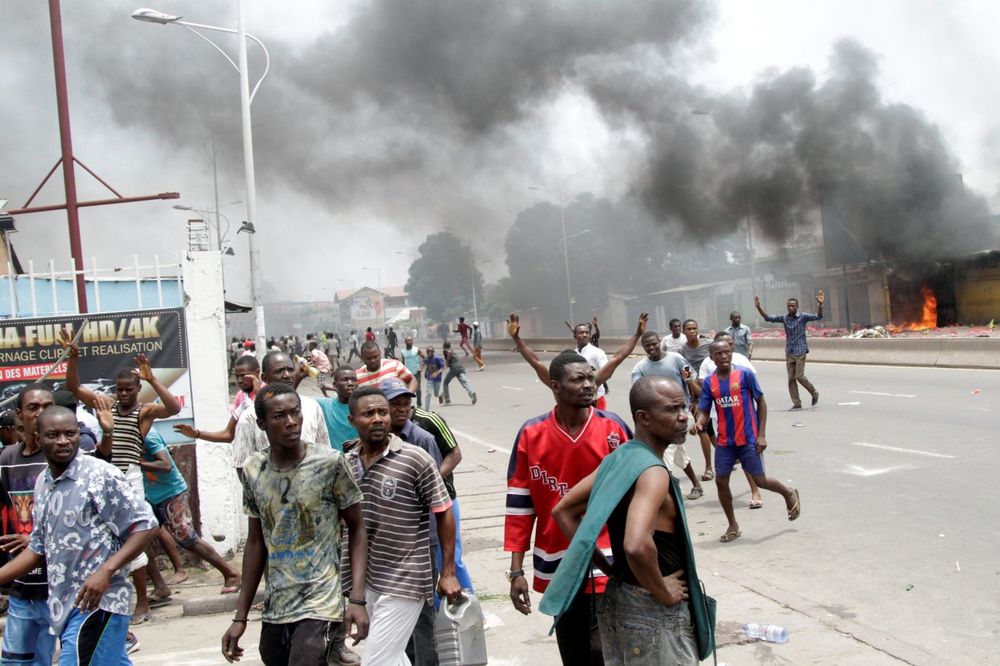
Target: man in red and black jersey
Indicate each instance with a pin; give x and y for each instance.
(553, 452)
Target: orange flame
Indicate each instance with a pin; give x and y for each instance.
(929, 318)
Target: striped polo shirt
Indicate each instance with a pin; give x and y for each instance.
(400, 490)
(390, 367)
(126, 438)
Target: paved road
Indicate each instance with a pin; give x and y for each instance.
(896, 545)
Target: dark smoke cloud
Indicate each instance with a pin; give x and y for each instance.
(427, 113)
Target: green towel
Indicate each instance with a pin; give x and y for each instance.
(616, 475)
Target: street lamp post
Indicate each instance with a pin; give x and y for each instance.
(562, 222)
(246, 97)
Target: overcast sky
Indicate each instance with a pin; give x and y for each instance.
(381, 122)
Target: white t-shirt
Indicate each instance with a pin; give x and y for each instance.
(739, 360)
(251, 439)
(672, 344)
(597, 359)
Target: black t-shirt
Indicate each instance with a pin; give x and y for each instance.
(17, 492)
(670, 554)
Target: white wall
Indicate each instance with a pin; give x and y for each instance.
(218, 487)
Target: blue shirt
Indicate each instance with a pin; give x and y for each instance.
(335, 414)
(81, 519)
(795, 331)
(432, 365)
(670, 366)
(160, 486)
(742, 338)
(735, 410)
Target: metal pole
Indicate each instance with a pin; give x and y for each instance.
(847, 305)
(255, 281)
(215, 183)
(66, 141)
(472, 265)
(569, 292)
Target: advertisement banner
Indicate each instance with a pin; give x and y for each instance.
(108, 342)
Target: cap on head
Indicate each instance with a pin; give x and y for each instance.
(395, 387)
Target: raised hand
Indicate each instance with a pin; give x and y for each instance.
(513, 326)
(145, 372)
(66, 341)
(105, 417)
(820, 297)
(756, 301)
(641, 326)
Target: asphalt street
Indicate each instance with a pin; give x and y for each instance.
(897, 540)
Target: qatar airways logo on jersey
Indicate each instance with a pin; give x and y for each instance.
(727, 401)
(550, 482)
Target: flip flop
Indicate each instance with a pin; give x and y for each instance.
(156, 602)
(141, 619)
(796, 510)
(229, 589)
(731, 535)
(695, 493)
(708, 476)
(756, 504)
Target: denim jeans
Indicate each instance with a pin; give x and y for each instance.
(461, 380)
(26, 639)
(638, 630)
(431, 387)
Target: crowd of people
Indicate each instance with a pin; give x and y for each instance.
(353, 515)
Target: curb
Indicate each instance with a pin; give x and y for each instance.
(222, 603)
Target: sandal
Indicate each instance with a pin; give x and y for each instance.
(695, 493)
(141, 619)
(708, 475)
(756, 504)
(731, 535)
(796, 510)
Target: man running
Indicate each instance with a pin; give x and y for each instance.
(433, 371)
(477, 346)
(672, 366)
(132, 422)
(455, 371)
(796, 346)
(377, 369)
(295, 494)
(391, 342)
(354, 346)
(88, 597)
(734, 393)
(401, 486)
(463, 331)
(653, 573)
(552, 453)
(167, 492)
(26, 638)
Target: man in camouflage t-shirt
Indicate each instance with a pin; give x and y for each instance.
(295, 494)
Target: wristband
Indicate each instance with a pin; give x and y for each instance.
(197, 433)
(356, 602)
(241, 621)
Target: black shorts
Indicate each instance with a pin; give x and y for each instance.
(302, 643)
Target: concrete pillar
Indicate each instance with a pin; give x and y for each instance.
(221, 497)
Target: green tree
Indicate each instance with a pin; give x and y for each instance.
(441, 278)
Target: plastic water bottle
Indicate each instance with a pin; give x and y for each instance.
(771, 633)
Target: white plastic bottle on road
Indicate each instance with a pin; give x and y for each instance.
(771, 633)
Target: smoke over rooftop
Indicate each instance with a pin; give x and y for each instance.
(426, 113)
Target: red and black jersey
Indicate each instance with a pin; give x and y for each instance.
(545, 463)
